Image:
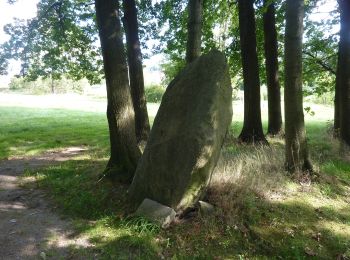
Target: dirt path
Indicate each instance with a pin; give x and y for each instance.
(29, 229)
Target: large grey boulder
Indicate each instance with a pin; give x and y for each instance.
(187, 135)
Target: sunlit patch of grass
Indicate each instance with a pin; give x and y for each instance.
(30, 131)
(250, 170)
(123, 239)
(338, 168)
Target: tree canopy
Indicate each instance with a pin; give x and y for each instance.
(62, 39)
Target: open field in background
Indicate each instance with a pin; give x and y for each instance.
(97, 103)
(55, 113)
(61, 101)
(261, 212)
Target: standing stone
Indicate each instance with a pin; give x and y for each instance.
(187, 135)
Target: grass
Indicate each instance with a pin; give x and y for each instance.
(261, 212)
(29, 131)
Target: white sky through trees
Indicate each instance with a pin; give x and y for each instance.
(23, 9)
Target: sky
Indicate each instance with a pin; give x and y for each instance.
(25, 9)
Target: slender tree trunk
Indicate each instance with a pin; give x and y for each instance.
(343, 73)
(137, 85)
(120, 114)
(194, 26)
(52, 85)
(297, 156)
(252, 127)
(273, 85)
(336, 128)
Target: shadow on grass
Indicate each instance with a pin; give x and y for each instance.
(98, 210)
(265, 230)
(256, 227)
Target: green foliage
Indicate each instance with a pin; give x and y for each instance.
(320, 53)
(46, 85)
(154, 93)
(141, 225)
(3, 62)
(326, 98)
(337, 168)
(61, 40)
(309, 111)
(219, 28)
(171, 69)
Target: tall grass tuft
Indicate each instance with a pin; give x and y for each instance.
(239, 178)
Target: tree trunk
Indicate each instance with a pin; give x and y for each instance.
(194, 26)
(336, 128)
(343, 72)
(137, 86)
(120, 114)
(271, 55)
(252, 127)
(52, 85)
(297, 156)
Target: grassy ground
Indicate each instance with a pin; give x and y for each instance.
(261, 211)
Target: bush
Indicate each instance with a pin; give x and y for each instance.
(46, 86)
(323, 99)
(154, 93)
(170, 69)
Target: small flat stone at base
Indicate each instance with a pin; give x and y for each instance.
(205, 208)
(156, 212)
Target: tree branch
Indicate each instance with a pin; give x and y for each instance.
(320, 62)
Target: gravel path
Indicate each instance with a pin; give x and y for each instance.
(29, 229)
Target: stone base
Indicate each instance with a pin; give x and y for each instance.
(156, 212)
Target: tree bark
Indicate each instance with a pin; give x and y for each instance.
(336, 128)
(194, 27)
(297, 156)
(52, 85)
(271, 61)
(343, 73)
(137, 85)
(120, 114)
(252, 131)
